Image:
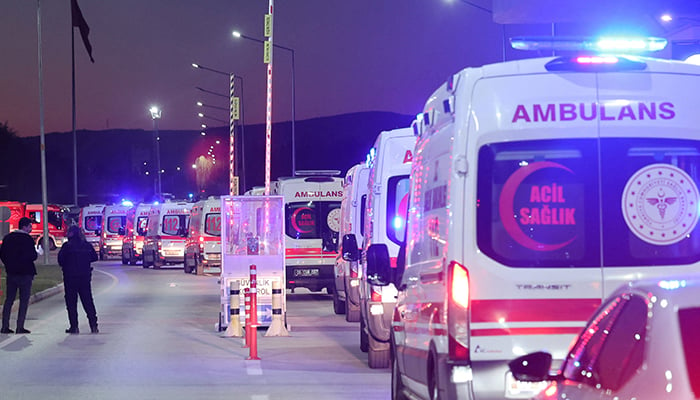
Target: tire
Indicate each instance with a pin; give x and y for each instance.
(434, 377)
(351, 315)
(52, 244)
(338, 305)
(125, 261)
(378, 358)
(146, 263)
(364, 340)
(132, 258)
(156, 261)
(186, 267)
(102, 256)
(397, 392)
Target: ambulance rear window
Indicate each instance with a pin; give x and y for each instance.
(212, 224)
(552, 203)
(114, 223)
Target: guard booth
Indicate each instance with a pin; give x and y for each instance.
(252, 233)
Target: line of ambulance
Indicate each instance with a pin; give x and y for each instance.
(522, 195)
(173, 232)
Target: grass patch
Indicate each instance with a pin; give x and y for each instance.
(47, 276)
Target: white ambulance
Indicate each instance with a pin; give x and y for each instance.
(113, 230)
(164, 242)
(538, 186)
(203, 244)
(346, 296)
(136, 227)
(91, 223)
(385, 222)
(312, 222)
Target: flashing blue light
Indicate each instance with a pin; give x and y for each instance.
(672, 285)
(606, 44)
(156, 202)
(191, 195)
(397, 223)
(127, 203)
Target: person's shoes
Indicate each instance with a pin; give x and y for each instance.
(6, 330)
(73, 331)
(93, 329)
(23, 331)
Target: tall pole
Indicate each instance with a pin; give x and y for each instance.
(294, 140)
(44, 199)
(160, 187)
(75, 137)
(233, 189)
(268, 113)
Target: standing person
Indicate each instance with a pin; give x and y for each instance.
(74, 258)
(18, 254)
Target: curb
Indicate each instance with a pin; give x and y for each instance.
(46, 293)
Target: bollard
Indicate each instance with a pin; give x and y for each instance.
(277, 327)
(234, 326)
(247, 317)
(253, 353)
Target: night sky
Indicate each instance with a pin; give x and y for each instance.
(350, 56)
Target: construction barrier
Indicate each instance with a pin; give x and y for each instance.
(277, 327)
(247, 317)
(234, 327)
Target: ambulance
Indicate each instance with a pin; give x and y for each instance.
(346, 296)
(312, 222)
(164, 242)
(203, 243)
(136, 227)
(538, 186)
(389, 164)
(113, 230)
(91, 223)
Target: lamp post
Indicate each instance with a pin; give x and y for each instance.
(155, 115)
(240, 35)
(233, 115)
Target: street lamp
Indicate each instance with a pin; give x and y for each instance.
(294, 158)
(200, 104)
(232, 110)
(155, 115)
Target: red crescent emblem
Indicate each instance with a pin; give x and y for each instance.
(505, 207)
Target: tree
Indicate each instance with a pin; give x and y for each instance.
(10, 159)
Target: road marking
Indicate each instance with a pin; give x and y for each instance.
(252, 367)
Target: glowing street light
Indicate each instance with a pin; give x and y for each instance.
(155, 115)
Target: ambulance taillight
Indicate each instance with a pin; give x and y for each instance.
(458, 324)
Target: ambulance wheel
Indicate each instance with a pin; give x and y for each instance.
(52, 244)
(156, 262)
(397, 392)
(146, 262)
(351, 314)
(378, 358)
(102, 256)
(434, 380)
(125, 261)
(338, 305)
(364, 340)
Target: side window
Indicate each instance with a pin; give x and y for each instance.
(611, 348)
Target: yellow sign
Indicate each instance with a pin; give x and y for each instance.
(267, 56)
(268, 25)
(234, 186)
(235, 104)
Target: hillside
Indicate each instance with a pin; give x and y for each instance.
(111, 162)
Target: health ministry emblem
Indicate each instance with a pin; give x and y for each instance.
(660, 204)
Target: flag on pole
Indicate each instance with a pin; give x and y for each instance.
(80, 23)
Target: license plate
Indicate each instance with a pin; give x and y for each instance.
(214, 256)
(172, 252)
(522, 390)
(306, 272)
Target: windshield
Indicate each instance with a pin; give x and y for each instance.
(141, 226)
(314, 220)
(212, 224)
(553, 203)
(397, 208)
(174, 224)
(115, 222)
(93, 222)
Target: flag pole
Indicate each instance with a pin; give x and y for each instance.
(44, 200)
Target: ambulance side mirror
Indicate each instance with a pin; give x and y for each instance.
(350, 250)
(378, 265)
(98, 231)
(121, 231)
(533, 367)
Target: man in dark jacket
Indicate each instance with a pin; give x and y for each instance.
(74, 258)
(18, 254)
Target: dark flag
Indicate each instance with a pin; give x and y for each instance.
(79, 22)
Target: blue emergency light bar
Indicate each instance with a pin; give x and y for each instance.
(598, 45)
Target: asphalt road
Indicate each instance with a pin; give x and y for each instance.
(158, 340)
